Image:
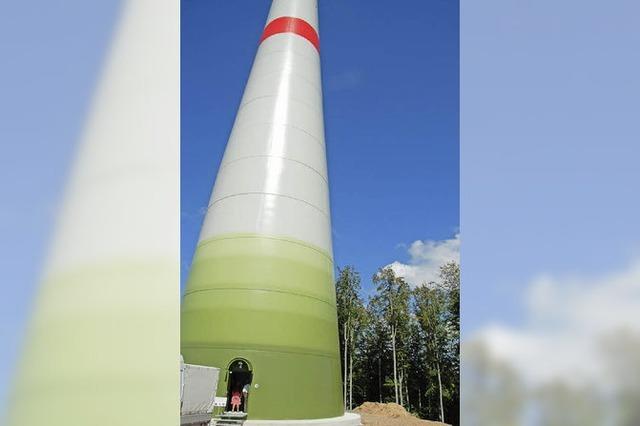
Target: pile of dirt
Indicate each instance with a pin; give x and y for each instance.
(391, 414)
(389, 410)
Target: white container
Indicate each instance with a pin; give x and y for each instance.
(198, 385)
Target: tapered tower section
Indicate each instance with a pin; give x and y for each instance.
(260, 300)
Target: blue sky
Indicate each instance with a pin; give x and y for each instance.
(390, 77)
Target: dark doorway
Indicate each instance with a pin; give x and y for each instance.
(239, 382)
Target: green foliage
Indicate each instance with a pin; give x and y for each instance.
(424, 323)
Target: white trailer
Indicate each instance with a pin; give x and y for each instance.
(198, 385)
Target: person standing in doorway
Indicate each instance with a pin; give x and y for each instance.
(245, 395)
(235, 400)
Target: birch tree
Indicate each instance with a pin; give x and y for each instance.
(392, 301)
(430, 311)
(350, 319)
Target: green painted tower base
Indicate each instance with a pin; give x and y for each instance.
(269, 302)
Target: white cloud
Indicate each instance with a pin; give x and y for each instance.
(426, 257)
(567, 319)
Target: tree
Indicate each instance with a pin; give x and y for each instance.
(430, 307)
(450, 283)
(416, 382)
(403, 346)
(374, 355)
(351, 318)
(392, 302)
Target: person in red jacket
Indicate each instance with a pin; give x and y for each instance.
(236, 400)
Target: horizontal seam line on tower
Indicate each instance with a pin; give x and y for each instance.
(316, 139)
(289, 70)
(270, 237)
(257, 98)
(325, 355)
(223, 165)
(187, 293)
(269, 193)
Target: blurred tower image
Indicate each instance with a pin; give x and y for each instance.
(260, 299)
(111, 270)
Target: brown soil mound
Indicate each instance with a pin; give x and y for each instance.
(391, 414)
(389, 410)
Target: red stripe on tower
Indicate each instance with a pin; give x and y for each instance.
(288, 24)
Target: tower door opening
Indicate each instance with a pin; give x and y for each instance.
(239, 385)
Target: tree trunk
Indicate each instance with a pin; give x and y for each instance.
(406, 388)
(440, 388)
(419, 399)
(345, 365)
(395, 372)
(400, 382)
(379, 378)
(351, 380)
